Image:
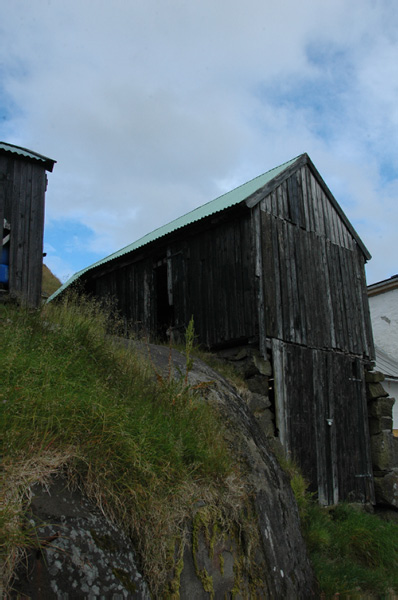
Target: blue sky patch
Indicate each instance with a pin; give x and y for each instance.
(71, 240)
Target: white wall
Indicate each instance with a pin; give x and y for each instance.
(384, 315)
(392, 388)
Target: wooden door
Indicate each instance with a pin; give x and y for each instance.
(321, 416)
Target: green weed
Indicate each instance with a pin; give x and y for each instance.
(354, 553)
(193, 351)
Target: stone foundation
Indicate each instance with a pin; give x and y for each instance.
(258, 376)
(384, 446)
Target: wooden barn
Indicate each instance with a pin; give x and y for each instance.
(274, 265)
(23, 183)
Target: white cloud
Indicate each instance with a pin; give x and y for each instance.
(152, 108)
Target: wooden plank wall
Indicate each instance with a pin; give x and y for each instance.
(317, 319)
(218, 286)
(212, 277)
(23, 190)
(316, 386)
(313, 289)
(301, 200)
(4, 185)
(130, 287)
(313, 278)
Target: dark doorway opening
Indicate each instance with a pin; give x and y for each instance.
(164, 310)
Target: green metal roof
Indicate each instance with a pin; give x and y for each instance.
(221, 203)
(48, 162)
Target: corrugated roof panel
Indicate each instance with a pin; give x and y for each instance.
(386, 363)
(221, 203)
(48, 162)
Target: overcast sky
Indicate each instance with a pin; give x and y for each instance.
(153, 107)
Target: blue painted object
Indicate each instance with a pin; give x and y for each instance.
(5, 255)
(3, 273)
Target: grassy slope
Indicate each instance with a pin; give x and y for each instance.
(145, 451)
(354, 553)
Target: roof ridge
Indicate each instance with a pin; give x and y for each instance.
(251, 180)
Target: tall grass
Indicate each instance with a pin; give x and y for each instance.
(144, 453)
(354, 553)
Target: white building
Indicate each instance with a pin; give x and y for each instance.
(383, 302)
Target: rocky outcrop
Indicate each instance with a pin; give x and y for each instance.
(85, 556)
(284, 569)
(386, 488)
(81, 554)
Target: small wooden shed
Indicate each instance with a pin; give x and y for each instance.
(23, 183)
(274, 264)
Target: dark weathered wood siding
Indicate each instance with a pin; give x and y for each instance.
(322, 420)
(131, 287)
(218, 285)
(313, 270)
(211, 277)
(288, 268)
(316, 317)
(22, 190)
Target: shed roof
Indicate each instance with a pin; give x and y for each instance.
(386, 363)
(383, 286)
(250, 192)
(48, 163)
